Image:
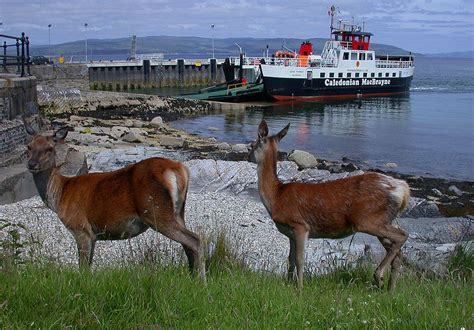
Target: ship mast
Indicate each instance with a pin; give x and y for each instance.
(332, 13)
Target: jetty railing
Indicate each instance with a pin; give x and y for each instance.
(21, 57)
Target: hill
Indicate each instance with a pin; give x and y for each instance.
(466, 54)
(189, 46)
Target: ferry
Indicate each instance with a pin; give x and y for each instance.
(346, 68)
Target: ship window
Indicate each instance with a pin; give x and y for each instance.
(345, 56)
(331, 74)
(369, 57)
(365, 74)
(339, 74)
(380, 74)
(387, 74)
(394, 74)
(354, 56)
(357, 74)
(322, 74)
(349, 75)
(361, 57)
(372, 74)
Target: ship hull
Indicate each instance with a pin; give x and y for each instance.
(283, 88)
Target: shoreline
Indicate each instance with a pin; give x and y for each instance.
(109, 109)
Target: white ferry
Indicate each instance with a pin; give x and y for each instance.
(346, 68)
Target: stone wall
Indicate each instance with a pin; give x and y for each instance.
(12, 134)
(62, 75)
(17, 96)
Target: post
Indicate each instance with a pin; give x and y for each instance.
(146, 72)
(212, 36)
(49, 43)
(28, 59)
(213, 69)
(5, 56)
(23, 54)
(17, 55)
(85, 31)
(180, 72)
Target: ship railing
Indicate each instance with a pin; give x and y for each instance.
(388, 64)
(234, 86)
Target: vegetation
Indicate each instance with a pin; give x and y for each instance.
(147, 294)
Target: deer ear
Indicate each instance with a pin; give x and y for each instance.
(30, 130)
(262, 129)
(281, 134)
(60, 134)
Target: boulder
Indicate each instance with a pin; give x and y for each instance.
(171, 142)
(128, 123)
(118, 131)
(71, 161)
(133, 137)
(156, 122)
(224, 146)
(303, 159)
(455, 190)
(391, 165)
(420, 207)
(240, 147)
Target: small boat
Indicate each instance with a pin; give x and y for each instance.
(346, 68)
(244, 83)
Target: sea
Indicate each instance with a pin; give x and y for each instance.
(429, 131)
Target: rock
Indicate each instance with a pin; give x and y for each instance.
(240, 147)
(138, 131)
(133, 137)
(349, 167)
(156, 122)
(171, 142)
(212, 129)
(224, 146)
(455, 190)
(75, 118)
(137, 124)
(303, 159)
(436, 192)
(419, 207)
(128, 123)
(71, 161)
(391, 165)
(118, 131)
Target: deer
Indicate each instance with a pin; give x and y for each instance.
(366, 203)
(114, 205)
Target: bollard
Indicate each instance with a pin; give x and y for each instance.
(213, 70)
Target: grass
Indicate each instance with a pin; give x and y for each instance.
(149, 295)
(44, 296)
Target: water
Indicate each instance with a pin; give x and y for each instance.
(427, 132)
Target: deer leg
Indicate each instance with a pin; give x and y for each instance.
(292, 260)
(397, 238)
(191, 244)
(85, 247)
(300, 240)
(396, 263)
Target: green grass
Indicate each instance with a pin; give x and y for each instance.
(44, 296)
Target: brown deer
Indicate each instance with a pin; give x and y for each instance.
(365, 203)
(114, 205)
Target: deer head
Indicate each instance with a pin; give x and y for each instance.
(41, 153)
(264, 143)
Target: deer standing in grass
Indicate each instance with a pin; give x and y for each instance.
(365, 203)
(114, 205)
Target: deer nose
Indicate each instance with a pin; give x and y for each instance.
(33, 165)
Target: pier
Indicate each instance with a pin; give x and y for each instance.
(132, 75)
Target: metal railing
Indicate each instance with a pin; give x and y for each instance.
(22, 57)
(389, 64)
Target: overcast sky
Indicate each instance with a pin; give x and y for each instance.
(424, 26)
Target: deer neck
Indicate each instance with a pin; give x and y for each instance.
(268, 182)
(49, 184)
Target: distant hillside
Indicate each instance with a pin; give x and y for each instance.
(188, 46)
(468, 54)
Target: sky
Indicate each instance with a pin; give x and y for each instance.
(422, 26)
